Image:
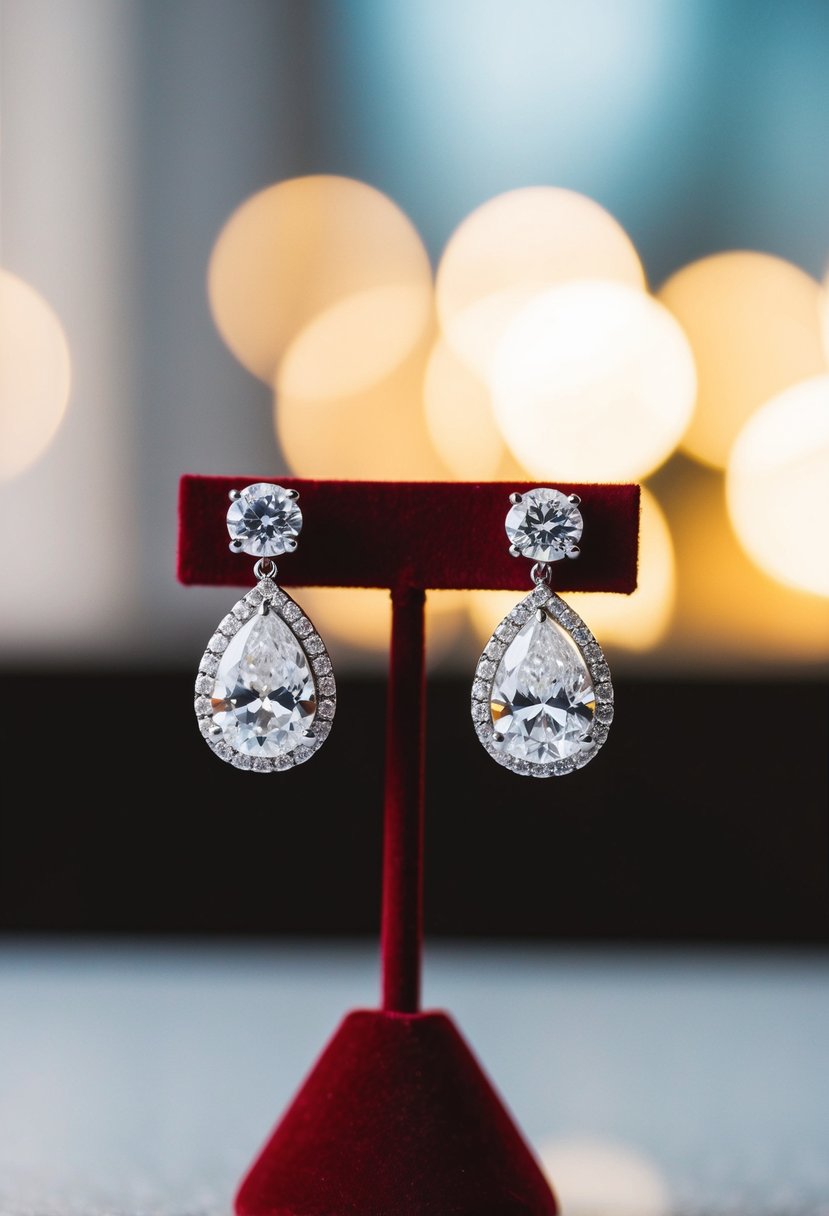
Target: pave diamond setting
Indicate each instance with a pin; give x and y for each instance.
(265, 696)
(544, 525)
(264, 520)
(542, 699)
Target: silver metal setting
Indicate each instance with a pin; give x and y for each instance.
(265, 568)
(266, 597)
(542, 597)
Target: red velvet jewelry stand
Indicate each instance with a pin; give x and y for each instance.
(397, 1118)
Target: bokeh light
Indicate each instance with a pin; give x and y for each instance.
(459, 416)
(379, 432)
(778, 486)
(354, 343)
(753, 322)
(326, 262)
(593, 381)
(360, 618)
(515, 246)
(638, 621)
(824, 317)
(730, 616)
(35, 375)
(602, 1178)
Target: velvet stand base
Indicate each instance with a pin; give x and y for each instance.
(396, 1119)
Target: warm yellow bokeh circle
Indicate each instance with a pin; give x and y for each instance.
(378, 432)
(593, 381)
(730, 614)
(515, 246)
(459, 417)
(604, 1178)
(778, 487)
(330, 264)
(753, 322)
(35, 375)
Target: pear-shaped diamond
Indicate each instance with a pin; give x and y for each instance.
(542, 700)
(265, 693)
(264, 698)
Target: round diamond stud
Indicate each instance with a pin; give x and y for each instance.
(544, 525)
(264, 520)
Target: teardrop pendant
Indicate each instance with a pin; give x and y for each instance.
(542, 699)
(265, 693)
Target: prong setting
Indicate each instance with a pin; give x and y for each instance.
(543, 524)
(265, 520)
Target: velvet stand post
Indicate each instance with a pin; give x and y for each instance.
(397, 1117)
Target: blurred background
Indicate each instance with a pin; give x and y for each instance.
(464, 240)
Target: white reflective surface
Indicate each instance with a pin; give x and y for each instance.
(141, 1079)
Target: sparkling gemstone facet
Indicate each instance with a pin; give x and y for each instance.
(542, 701)
(264, 697)
(263, 518)
(544, 525)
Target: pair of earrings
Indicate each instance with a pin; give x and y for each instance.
(542, 700)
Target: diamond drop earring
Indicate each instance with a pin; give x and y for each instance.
(542, 700)
(265, 693)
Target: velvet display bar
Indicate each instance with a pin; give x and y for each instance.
(433, 535)
(397, 1118)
